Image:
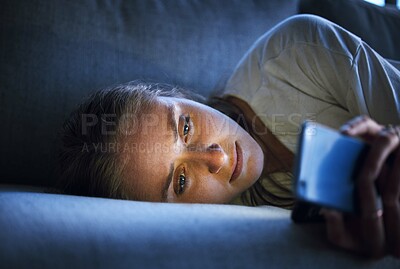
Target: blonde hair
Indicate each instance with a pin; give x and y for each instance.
(87, 164)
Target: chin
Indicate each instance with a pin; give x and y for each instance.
(255, 164)
(253, 157)
(256, 173)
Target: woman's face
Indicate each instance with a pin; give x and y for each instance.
(187, 152)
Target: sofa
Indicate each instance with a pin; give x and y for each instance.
(54, 53)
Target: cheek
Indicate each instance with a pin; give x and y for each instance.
(209, 190)
(213, 125)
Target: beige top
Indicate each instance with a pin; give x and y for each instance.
(314, 70)
(303, 70)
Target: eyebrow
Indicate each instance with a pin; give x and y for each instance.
(171, 123)
(164, 193)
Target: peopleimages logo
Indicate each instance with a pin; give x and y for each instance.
(126, 147)
(148, 148)
(146, 124)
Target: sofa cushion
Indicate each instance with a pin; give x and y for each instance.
(52, 53)
(43, 231)
(378, 26)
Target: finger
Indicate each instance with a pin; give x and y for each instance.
(378, 153)
(372, 234)
(354, 122)
(372, 230)
(391, 189)
(381, 180)
(391, 219)
(362, 126)
(337, 232)
(391, 207)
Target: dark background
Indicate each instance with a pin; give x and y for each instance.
(53, 53)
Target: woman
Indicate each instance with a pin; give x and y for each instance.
(153, 142)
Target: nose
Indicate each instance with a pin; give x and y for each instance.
(213, 156)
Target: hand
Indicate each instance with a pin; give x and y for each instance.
(375, 232)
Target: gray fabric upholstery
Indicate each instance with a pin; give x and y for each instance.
(376, 25)
(395, 63)
(58, 231)
(53, 53)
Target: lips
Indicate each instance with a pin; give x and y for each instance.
(238, 163)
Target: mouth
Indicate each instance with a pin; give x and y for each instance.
(238, 163)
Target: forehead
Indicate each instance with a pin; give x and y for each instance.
(147, 153)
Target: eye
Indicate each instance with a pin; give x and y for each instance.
(186, 127)
(181, 183)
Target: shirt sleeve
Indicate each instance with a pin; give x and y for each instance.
(311, 66)
(377, 82)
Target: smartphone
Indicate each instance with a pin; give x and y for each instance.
(325, 170)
